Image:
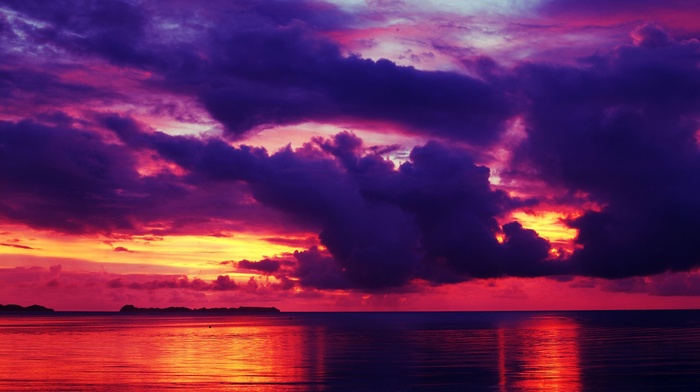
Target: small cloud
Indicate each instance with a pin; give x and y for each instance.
(122, 249)
(115, 283)
(222, 283)
(18, 246)
(266, 265)
(221, 235)
(52, 283)
(583, 283)
(511, 292)
(294, 242)
(651, 35)
(151, 238)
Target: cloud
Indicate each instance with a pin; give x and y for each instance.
(113, 29)
(55, 270)
(433, 218)
(77, 181)
(67, 186)
(91, 287)
(615, 6)
(21, 85)
(617, 129)
(293, 242)
(221, 283)
(262, 67)
(17, 246)
(666, 284)
(651, 35)
(319, 271)
(266, 266)
(321, 85)
(622, 130)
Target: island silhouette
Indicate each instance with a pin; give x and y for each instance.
(181, 309)
(18, 308)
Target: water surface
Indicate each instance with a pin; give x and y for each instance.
(475, 351)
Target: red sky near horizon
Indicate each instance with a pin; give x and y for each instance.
(350, 155)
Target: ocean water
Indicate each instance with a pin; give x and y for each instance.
(459, 351)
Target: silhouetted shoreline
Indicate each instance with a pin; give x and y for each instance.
(18, 308)
(181, 309)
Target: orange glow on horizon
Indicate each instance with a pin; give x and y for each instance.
(199, 254)
(551, 226)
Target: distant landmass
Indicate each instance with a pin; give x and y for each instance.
(17, 308)
(180, 309)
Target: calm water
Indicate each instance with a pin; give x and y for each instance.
(492, 351)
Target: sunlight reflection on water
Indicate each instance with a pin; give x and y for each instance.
(541, 354)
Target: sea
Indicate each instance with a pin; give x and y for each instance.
(385, 351)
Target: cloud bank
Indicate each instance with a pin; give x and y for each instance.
(616, 129)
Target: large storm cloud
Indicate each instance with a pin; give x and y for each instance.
(623, 129)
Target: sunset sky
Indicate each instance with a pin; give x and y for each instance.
(350, 154)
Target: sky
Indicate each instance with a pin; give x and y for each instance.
(350, 155)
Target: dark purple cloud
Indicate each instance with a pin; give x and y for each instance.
(265, 266)
(651, 35)
(319, 15)
(63, 179)
(38, 94)
(623, 130)
(276, 71)
(76, 181)
(596, 8)
(667, 285)
(319, 271)
(286, 76)
(112, 29)
(616, 19)
(433, 218)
